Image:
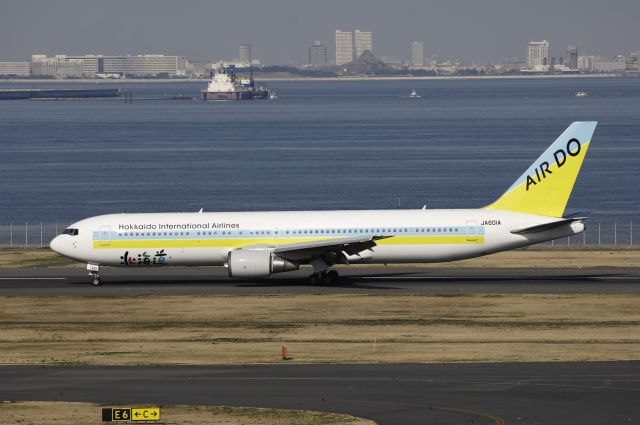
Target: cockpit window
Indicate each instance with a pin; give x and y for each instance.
(71, 232)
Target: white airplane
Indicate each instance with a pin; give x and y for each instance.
(259, 244)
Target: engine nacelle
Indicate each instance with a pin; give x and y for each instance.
(257, 263)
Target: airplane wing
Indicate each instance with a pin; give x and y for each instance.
(329, 249)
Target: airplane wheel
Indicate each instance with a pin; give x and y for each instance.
(332, 277)
(96, 281)
(319, 278)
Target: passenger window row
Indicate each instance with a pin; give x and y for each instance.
(297, 232)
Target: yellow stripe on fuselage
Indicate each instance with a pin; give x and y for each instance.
(431, 240)
(238, 243)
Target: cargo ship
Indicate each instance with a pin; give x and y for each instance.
(225, 85)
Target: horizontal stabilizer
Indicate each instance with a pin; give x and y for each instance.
(546, 226)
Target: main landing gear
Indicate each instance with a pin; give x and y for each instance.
(324, 277)
(94, 274)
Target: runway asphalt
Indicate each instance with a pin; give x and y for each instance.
(64, 281)
(489, 393)
(502, 393)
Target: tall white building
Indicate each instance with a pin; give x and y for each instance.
(417, 53)
(538, 55)
(364, 41)
(344, 47)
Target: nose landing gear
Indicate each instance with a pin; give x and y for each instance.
(94, 274)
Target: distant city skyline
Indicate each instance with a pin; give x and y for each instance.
(480, 32)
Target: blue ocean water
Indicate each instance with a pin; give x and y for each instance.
(322, 145)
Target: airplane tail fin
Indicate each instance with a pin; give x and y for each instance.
(544, 188)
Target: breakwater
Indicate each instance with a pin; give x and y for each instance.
(20, 94)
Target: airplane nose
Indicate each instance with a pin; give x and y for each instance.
(55, 244)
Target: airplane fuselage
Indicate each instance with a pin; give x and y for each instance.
(205, 239)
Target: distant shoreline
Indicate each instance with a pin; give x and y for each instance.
(258, 78)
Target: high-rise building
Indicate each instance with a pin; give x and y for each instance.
(417, 53)
(317, 54)
(572, 57)
(244, 53)
(538, 54)
(344, 47)
(364, 41)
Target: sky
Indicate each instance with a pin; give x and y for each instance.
(280, 31)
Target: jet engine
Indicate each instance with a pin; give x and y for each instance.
(257, 263)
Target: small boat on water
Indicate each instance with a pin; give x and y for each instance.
(414, 94)
(273, 95)
(581, 94)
